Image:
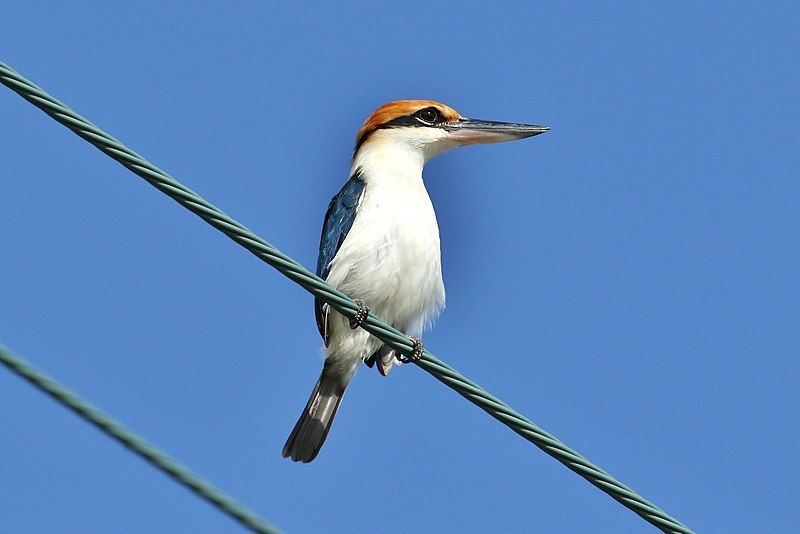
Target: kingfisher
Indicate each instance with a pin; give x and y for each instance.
(380, 245)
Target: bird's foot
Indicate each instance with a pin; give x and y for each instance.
(361, 315)
(416, 352)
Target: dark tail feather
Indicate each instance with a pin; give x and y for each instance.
(312, 428)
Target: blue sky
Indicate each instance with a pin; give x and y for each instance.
(628, 280)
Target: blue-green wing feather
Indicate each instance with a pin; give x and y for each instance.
(338, 221)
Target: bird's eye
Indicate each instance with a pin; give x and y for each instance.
(429, 115)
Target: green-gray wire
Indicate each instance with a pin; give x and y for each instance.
(136, 444)
(339, 301)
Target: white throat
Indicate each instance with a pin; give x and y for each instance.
(399, 153)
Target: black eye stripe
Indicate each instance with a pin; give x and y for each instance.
(430, 116)
(407, 120)
(412, 120)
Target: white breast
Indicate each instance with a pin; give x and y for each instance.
(391, 257)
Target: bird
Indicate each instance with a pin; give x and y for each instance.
(380, 245)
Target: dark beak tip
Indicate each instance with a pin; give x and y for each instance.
(537, 130)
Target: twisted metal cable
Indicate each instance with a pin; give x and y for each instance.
(134, 443)
(339, 301)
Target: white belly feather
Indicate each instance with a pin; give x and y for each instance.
(391, 259)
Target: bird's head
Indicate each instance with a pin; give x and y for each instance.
(430, 128)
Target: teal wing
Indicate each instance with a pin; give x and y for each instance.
(339, 219)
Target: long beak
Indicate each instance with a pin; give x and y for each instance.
(475, 131)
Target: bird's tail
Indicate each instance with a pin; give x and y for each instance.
(312, 428)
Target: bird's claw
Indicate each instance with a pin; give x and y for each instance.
(416, 351)
(361, 315)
